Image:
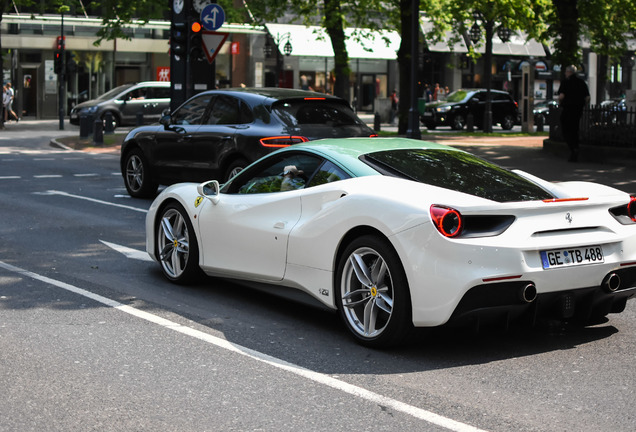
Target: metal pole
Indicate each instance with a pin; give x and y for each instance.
(413, 130)
(489, 25)
(61, 78)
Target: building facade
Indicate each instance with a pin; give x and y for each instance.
(284, 55)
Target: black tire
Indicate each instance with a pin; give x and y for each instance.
(458, 122)
(234, 168)
(136, 174)
(370, 275)
(176, 245)
(508, 122)
(431, 126)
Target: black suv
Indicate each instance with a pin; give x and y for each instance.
(217, 133)
(149, 98)
(454, 110)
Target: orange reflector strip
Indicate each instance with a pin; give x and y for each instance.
(628, 264)
(501, 278)
(314, 98)
(554, 200)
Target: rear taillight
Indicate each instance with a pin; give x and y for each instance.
(448, 221)
(631, 208)
(282, 141)
(626, 213)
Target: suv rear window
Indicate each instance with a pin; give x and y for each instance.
(458, 171)
(315, 112)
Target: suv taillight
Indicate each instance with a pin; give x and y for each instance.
(282, 141)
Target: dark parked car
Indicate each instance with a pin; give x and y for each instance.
(614, 111)
(454, 110)
(150, 98)
(217, 133)
(541, 110)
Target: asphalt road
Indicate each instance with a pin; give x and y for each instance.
(93, 338)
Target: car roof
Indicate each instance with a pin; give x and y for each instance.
(275, 93)
(347, 151)
(153, 84)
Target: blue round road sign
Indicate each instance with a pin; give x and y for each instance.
(212, 17)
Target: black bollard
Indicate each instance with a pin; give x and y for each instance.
(109, 126)
(470, 122)
(376, 122)
(86, 126)
(98, 131)
(540, 120)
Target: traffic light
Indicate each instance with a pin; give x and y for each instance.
(178, 39)
(195, 44)
(58, 66)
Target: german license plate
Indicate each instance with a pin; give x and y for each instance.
(428, 114)
(572, 257)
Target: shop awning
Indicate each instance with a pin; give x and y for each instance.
(458, 46)
(313, 41)
(518, 45)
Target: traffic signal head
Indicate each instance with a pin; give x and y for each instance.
(195, 44)
(178, 39)
(58, 66)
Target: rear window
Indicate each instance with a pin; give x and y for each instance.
(457, 171)
(315, 112)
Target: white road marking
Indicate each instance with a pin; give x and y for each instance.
(9, 177)
(129, 252)
(54, 192)
(47, 176)
(86, 175)
(317, 377)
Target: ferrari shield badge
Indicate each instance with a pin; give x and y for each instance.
(198, 201)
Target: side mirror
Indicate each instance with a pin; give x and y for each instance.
(165, 118)
(210, 190)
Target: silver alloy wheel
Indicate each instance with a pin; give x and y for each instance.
(135, 173)
(234, 171)
(173, 243)
(367, 292)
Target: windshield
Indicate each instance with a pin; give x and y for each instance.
(114, 92)
(457, 96)
(458, 171)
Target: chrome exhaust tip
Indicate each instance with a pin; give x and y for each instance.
(528, 293)
(612, 282)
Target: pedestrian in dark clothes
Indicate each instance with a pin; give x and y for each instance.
(573, 96)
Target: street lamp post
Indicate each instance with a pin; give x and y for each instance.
(413, 130)
(475, 36)
(287, 49)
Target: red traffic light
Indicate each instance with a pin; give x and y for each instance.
(196, 27)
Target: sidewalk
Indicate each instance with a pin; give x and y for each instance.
(516, 152)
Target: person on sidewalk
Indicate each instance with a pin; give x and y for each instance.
(573, 96)
(10, 113)
(394, 106)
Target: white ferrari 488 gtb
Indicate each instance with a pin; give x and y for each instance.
(397, 233)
